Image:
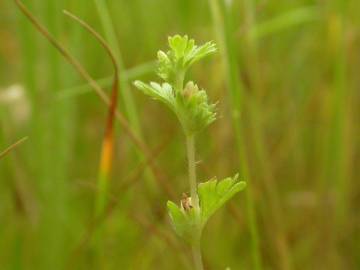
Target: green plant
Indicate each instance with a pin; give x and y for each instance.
(192, 108)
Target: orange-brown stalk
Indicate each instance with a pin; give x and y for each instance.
(107, 152)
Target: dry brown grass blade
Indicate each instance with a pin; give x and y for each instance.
(12, 147)
(101, 93)
(108, 142)
(107, 151)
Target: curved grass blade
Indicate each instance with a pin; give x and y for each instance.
(107, 151)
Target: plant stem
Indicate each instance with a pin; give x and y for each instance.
(190, 145)
(179, 82)
(196, 245)
(196, 251)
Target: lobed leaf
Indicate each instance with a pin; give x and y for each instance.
(182, 54)
(163, 93)
(165, 67)
(214, 194)
(198, 53)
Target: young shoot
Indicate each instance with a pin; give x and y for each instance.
(194, 111)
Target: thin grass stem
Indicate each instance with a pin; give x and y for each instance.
(12, 147)
(127, 75)
(110, 35)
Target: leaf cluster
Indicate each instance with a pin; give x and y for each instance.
(213, 195)
(189, 103)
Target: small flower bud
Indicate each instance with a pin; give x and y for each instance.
(190, 89)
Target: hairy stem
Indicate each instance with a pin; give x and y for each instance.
(196, 251)
(179, 82)
(196, 245)
(190, 145)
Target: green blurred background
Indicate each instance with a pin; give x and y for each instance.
(287, 82)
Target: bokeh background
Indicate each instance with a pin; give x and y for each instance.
(286, 79)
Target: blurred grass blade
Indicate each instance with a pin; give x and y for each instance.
(285, 21)
(236, 91)
(335, 178)
(50, 127)
(127, 75)
(258, 133)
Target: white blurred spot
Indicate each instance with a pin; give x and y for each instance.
(15, 101)
(11, 94)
